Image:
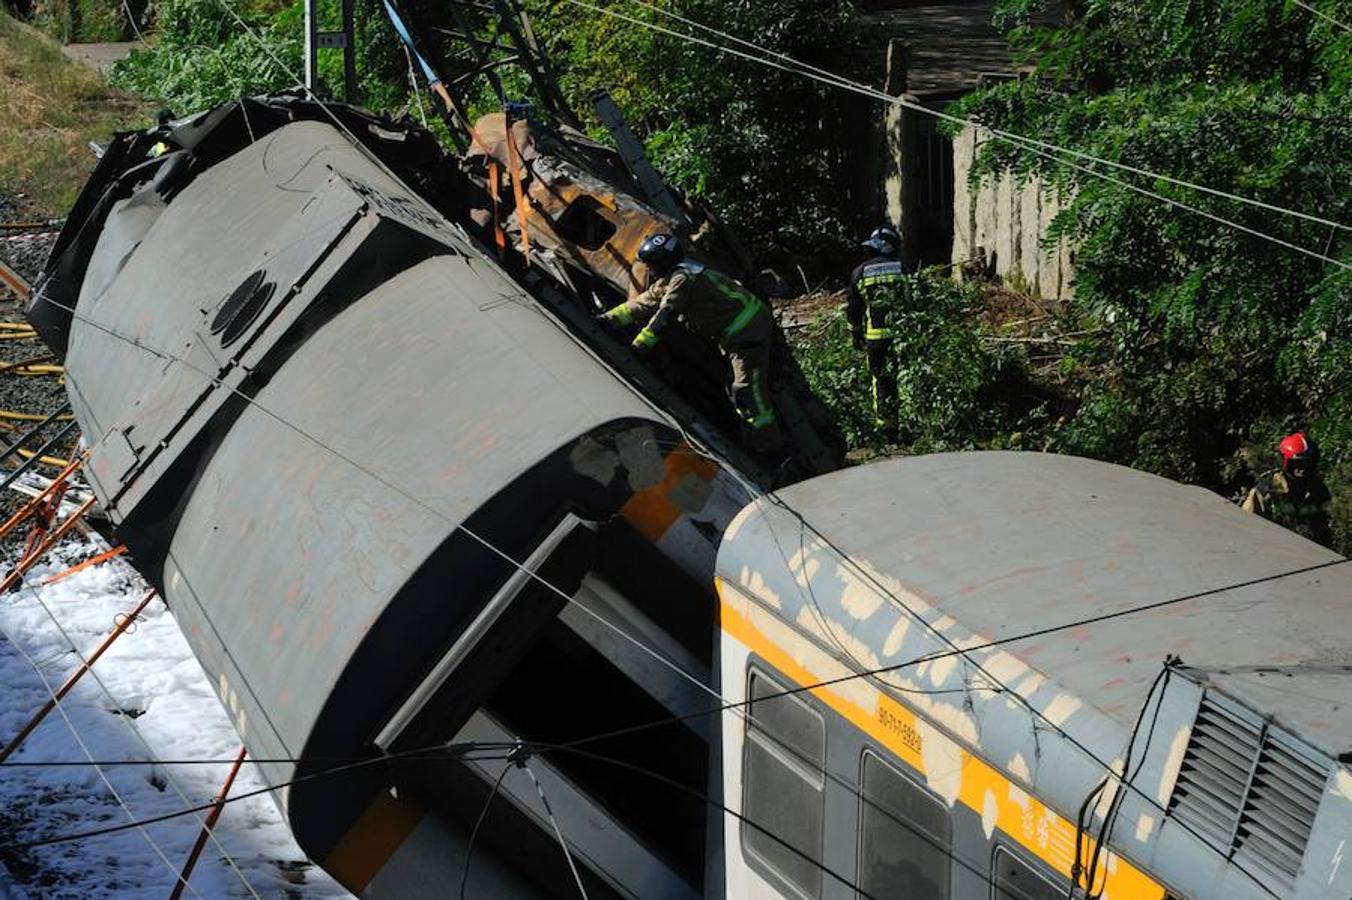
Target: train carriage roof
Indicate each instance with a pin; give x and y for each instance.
(1014, 543)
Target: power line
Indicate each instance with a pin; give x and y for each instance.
(1007, 135)
(456, 751)
(390, 485)
(1041, 148)
(1323, 15)
(135, 730)
(700, 795)
(478, 823)
(572, 867)
(117, 797)
(944, 654)
(844, 82)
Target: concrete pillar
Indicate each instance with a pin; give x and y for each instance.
(1030, 239)
(964, 207)
(1006, 226)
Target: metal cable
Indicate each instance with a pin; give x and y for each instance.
(136, 731)
(844, 82)
(1029, 144)
(501, 553)
(567, 854)
(60, 708)
(1323, 15)
(506, 557)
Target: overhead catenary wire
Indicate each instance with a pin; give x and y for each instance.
(506, 557)
(849, 84)
(332, 450)
(454, 751)
(553, 822)
(84, 748)
(1040, 148)
(478, 824)
(495, 549)
(1323, 15)
(135, 730)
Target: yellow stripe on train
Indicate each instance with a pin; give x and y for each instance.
(954, 772)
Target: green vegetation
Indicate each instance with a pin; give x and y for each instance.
(201, 56)
(715, 125)
(82, 21)
(1210, 343)
(959, 387)
(52, 108)
(765, 147)
(1189, 347)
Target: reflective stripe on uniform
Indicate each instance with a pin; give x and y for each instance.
(743, 318)
(621, 314)
(873, 332)
(878, 275)
(733, 291)
(646, 338)
(765, 413)
(888, 278)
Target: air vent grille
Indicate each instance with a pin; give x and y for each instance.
(1244, 787)
(1279, 811)
(1209, 793)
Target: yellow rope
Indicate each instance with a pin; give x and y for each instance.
(49, 460)
(29, 417)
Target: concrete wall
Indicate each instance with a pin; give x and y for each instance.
(1002, 224)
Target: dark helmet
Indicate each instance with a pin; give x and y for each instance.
(1296, 449)
(884, 241)
(661, 252)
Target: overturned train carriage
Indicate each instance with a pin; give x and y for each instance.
(391, 500)
(414, 513)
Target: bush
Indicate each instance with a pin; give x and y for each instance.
(81, 21)
(1208, 342)
(957, 389)
(201, 55)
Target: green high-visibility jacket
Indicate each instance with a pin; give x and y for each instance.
(710, 304)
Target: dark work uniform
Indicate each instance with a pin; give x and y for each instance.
(1303, 507)
(718, 307)
(879, 288)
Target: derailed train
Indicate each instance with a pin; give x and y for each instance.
(403, 502)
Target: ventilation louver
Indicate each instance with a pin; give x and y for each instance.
(1246, 788)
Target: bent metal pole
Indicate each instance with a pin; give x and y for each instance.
(56, 534)
(32, 506)
(208, 824)
(123, 622)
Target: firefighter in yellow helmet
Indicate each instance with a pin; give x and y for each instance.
(715, 306)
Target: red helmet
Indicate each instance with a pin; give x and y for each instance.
(1297, 447)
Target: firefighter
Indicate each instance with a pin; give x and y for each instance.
(715, 306)
(1295, 495)
(881, 285)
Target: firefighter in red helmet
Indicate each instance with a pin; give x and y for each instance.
(1294, 495)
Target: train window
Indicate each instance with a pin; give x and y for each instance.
(905, 836)
(782, 785)
(1014, 879)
